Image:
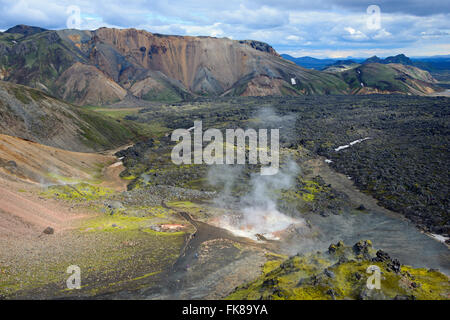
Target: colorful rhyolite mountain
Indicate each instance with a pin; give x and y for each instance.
(107, 65)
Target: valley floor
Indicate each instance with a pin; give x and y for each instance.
(50, 219)
(123, 244)
(140, 227)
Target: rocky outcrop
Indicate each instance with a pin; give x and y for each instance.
(343, 273)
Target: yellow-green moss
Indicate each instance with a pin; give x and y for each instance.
(162, 233)
(304, 278)
(105, 222)
(77, 192)
(432, 285)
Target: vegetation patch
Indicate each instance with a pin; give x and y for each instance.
(341, 273)
(78, 192)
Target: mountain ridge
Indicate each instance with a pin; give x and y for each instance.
(31, 114)
(103, 66)
(438, 65)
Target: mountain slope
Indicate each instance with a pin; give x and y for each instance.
(33, 115)
(87, 85)
(106, 65)
(26, 161)
(388, 78)
(202, 65)
(438, 66)
(149, 66)
(396, 74)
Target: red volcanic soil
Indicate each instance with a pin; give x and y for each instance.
(27, 214)
(25, 165)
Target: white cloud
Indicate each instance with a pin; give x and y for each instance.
(334, 27)
(382, 34)
(293, 38)
(212, 31)
(354, 34)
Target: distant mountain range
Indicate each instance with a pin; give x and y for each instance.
(105, 66)
(315, 63)
(431, 64)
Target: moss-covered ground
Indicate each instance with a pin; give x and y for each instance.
(341, 273)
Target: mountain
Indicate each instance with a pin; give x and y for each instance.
(31, 114)
(400, 58)
(388, 78)
(394, 74)
(341, 65)
(319, 64)
(25, 30)
(105, 65)
(373, 59)
(431, 64)
(435, 64)
(309, 62)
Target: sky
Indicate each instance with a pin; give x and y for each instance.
(317, 28)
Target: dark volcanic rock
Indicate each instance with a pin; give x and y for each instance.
(49, 230)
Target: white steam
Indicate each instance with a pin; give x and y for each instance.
(255, 212)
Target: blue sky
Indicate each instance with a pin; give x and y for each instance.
(319, 28)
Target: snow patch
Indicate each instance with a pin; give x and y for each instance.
(439, 238)
(350, 144)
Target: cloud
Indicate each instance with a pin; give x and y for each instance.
(354, 34)
(382, 34)
(333, 27)
(293, 38)
(410, 7)
(257, 18)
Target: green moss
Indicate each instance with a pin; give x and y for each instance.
(432, 285)
(165, 234)
(20, 94)
(159, 211)
(307, 293)
(37, 95)
(305, 192)
(78, 192)
(61, 178)
(146, 275)
(341, 274)
(115, 223)
(131, 177)
(107, 266)
(271, 265)
(182, 204)
(166, 95)
(103, 131)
